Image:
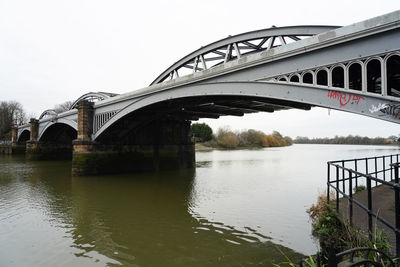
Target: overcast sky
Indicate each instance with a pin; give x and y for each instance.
(53, 51)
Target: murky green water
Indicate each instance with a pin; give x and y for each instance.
(237, 208)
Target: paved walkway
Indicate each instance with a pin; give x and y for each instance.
(382, 204)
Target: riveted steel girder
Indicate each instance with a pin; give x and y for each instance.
(230, 43)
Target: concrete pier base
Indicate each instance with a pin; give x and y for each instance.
(18, 149)
(41, 151)
(93, 160)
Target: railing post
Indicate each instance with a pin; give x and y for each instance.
(355, 168)
(369, 206)
(376, 170)
(344, 182)
(351, 199)
(332, 257)
(397, 208)
(328, 183)
(337, 189)
(383, 167)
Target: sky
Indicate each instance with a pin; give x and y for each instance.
(53, 51)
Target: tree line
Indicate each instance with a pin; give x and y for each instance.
(225, 138)
(349, 140)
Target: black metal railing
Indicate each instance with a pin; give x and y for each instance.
(361, 256)
(346, 176)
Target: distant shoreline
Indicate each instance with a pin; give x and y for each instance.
(204, 147)
(201, 147)
(348, 144)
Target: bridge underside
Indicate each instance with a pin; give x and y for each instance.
(156, 137)
(125, 131)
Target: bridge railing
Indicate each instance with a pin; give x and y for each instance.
(347, 177)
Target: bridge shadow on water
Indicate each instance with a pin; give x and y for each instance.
(137, 220)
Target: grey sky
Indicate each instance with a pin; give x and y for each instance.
(53, 51)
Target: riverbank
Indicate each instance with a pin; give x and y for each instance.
(209, 146)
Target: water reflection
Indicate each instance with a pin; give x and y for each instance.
(138, 220)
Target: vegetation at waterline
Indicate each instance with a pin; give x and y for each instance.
(227, 139)
(201, 132)
(349, 140)
(334, 233)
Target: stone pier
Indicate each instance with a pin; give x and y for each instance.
(158, 145)
(16, 148)
(32, 149)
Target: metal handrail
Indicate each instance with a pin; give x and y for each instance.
(344, 177)
(377, 157)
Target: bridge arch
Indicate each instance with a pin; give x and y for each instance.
(392, 66)
(295, 78)
(322, 76)
(308, 77)
(24, 136)
(48, 112)
(337, 74)
(233, 47)
(92, 96)
(58, 133)
(275, 96)
(374, 69)
(283, 78)
(355, 75)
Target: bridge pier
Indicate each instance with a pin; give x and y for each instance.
(161, 145)
(15, 147)
(32, 145)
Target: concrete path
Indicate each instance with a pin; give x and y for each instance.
(382, 204)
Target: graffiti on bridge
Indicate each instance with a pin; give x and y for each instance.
(345, 98)
(387, 109)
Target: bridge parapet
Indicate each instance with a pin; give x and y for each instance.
(376, 75)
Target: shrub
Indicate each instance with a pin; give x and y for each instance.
(271, 141)
(333, 232)
(201, 132)
(228, 140)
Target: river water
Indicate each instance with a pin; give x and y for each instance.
(237, 208)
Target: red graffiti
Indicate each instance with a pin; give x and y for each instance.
(345, 98)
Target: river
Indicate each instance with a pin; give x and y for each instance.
(237, 208)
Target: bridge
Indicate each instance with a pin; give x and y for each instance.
(355, 68)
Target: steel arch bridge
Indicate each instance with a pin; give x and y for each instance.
(355, 68)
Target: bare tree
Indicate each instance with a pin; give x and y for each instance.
(63, 106)
(11, 113)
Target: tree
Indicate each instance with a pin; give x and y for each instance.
(63, 106)
(201, 132)
(279, 138)
(227, 139)
(11, 113)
